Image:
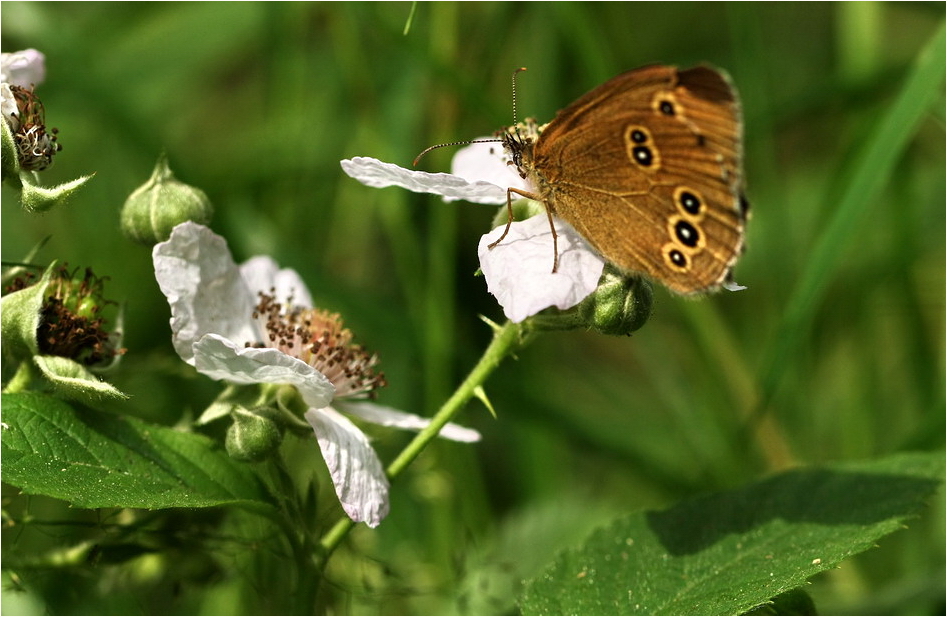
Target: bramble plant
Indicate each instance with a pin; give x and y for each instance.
(198, 431)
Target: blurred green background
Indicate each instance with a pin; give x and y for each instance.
(256, 103)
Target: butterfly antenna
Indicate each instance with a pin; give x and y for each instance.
(519, 70)
(454, 143)
(475, 141)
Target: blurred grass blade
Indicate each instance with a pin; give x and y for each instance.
(871, 171)
(407, 24)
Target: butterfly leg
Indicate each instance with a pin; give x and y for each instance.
(509, 209)
(509, 221)
(555, 242)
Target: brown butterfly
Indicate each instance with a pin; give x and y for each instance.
(648, 168)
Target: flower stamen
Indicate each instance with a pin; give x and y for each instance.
(318, 338)
(35, 145)
(72, 324)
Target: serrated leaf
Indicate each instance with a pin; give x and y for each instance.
(793, 602)
(731, 552)
(98, 460)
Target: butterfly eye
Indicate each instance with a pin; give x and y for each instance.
(675, 258)
(689, 202)
(642, 155)
(640, 147)
(686, 233)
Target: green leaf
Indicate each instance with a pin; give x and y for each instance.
(729, 553)
(98, 460)
(793, 602)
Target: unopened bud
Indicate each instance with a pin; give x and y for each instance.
(153, 210)
(620, 305)
(253, 436)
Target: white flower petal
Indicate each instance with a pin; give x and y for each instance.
(262, 273)
(356, 472)
(733, 286)
(519, 269)
(386, 416)
(487, 162)
(219, 358)
(8, 107)
(197, 274)
(23, 68)
(378, 174)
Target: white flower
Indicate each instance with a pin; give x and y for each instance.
(8, 107)
(253, 324)
(518, 270)
(488, 162)
(23, 112)
(25, 68)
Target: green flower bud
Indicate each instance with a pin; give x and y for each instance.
(254, 435)
(620, 304)
(157, 206)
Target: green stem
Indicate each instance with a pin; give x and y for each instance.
(506, 339)
(300, 592)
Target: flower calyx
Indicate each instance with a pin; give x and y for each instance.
(58, 324)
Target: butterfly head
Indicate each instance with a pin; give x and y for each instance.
(518, 141)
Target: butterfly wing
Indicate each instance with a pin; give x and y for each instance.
(648, 168)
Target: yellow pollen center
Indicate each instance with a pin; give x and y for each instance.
(318, 338)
